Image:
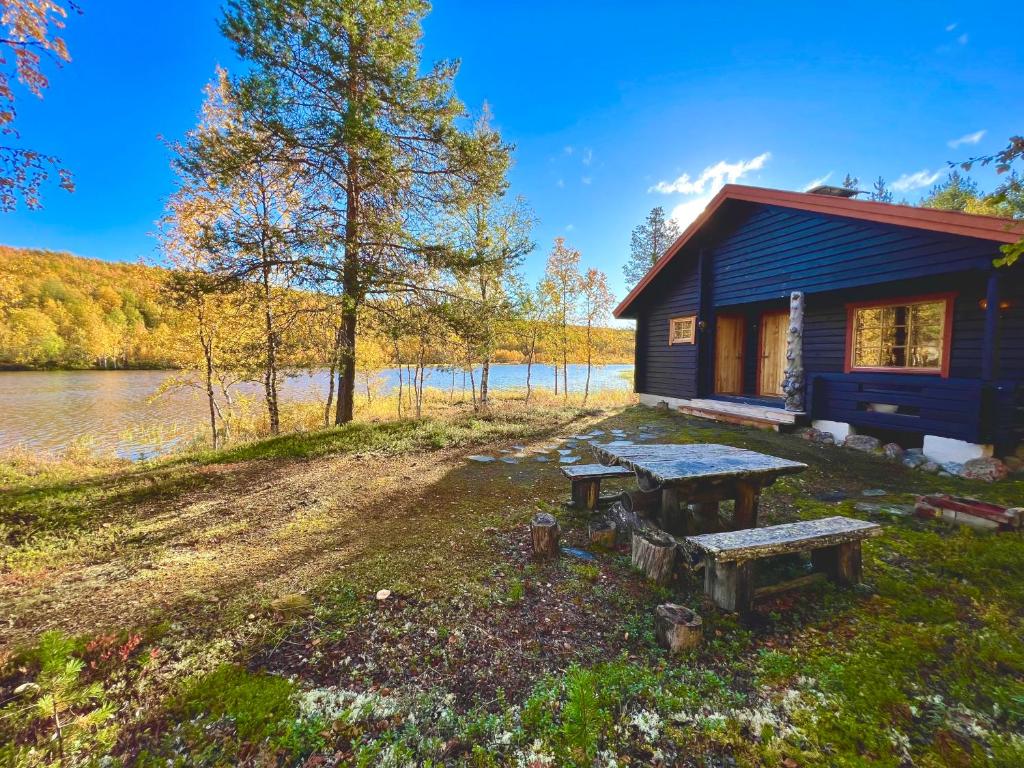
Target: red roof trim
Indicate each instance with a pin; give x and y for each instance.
(951, 222)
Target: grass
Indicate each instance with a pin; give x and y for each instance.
(481, 656)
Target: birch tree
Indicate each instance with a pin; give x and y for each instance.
(596, 307)
(562, 283)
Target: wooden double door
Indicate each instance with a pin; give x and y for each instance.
(730, 343)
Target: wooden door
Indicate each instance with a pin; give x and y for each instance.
(729, 355)
(772, 363)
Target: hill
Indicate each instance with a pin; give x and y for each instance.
(58, 310)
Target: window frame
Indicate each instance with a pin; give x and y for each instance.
(693, 336)
(947, 333)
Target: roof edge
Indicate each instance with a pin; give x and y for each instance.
(992, 228)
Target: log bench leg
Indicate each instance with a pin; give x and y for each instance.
(674, 517)
(841, 563)
(747, 497)
(729, 585)
(706, 517)
(585, 494)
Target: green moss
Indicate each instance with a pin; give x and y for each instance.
(259, 705)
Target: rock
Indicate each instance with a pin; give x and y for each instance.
(292, 605)
(930, 466)
(914, 452)
(874, 492)
(383, 594)
(808, 433)
(832, 496)
(864, 443)
(987, 469)
(913, 460)
(827, 438)
(952, 468)
(509, 460)
(893, 451)
(481, 459)
(568, 459)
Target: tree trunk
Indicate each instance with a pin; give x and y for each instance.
(335, 354)
(270, 364)
(529, 366)
(654, 553)
(472, 384)
(586, 386)
(485, 372)
(556, 379)
(677, 627)
(545, 532)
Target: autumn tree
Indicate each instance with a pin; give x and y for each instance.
(30, 32)
(262, 218)
(1008, 197)
(956, 193)
(562, 283)
(649, 241)
(343, 84)
(528, 324)
(596, 302)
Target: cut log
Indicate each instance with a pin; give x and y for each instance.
(545, 532)
(640, 502)
(677, 627)
(602, 533)
(654, 553)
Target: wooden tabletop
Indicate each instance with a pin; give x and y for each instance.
(672, 463)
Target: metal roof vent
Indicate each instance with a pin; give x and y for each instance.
(825, 189)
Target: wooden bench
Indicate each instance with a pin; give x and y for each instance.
(586, 482)
(834, 544)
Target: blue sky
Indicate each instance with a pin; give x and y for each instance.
(614, 108)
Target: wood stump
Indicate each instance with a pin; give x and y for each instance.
(677, 627)
(654, 553)
(602, 533)
(545, 532)
(585, 493)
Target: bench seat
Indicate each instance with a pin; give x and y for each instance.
(586, 482)
(834, 544)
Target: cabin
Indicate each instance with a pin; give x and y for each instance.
(779, 308)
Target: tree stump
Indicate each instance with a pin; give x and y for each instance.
(545, 532)
(602, 533)
(637, 501)
(654, 553)
(677, 627)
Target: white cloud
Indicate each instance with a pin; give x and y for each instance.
(569, 149)
(962, 39)
(951, 27)
(586, 179)
(569, 227)
(560, 183)
(706, 185)
(970, 138)
(818, 182)
(714, 177)
(588, 156)
(909, 181)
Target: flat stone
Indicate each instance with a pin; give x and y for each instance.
(897, 510)
(579, 554)
(874, 492)
(481, 459)
(864, 443)
(751, 543)
(695, 461)
(565, 451)
(541, 459)
(509, 459)
(568, 459)
(952, 467)
(930, 466)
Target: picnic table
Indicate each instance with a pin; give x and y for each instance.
(699, 473)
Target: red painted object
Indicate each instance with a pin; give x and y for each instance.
(981, 514)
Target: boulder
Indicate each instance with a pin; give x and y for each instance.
(987, 469)
(913, 460)
(930, 466)
(893, 451)
(865, 443)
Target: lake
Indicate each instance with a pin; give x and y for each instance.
(115, 410)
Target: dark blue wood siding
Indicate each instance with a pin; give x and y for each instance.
(670, 371)
(773, 251)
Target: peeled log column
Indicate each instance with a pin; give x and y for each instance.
(654, 553)
(544, 531)
(793, 384)
(677, 627)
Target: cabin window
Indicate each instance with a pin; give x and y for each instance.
(682, 330)
(905, 335)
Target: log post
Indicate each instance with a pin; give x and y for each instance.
(793, 384)
(729, 585)
(638, 501)
(602, 533)
(747, 497)
(585, 493)
(841, 563)
(544, 531)
(705, 515)
(677, 628)
(654, 553)
(674, 516)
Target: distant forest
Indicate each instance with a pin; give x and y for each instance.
(62, 311)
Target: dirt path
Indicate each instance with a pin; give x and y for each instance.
(258, 530)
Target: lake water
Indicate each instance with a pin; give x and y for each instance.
(116, 410)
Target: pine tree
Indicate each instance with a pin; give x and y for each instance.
(880, 192)
(649, 241)
(850, 182)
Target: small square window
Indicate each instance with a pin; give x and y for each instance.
(682, 330)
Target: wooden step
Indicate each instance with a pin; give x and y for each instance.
(746, 414)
